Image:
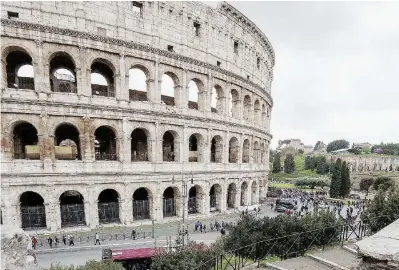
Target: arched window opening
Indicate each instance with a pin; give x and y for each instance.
(244, 194)
(137, 85)
(139, 147)
(72, 209)
(19, 70)
(247, 108)
(257, 112)
(33, 213)
(141, 204)
(193, 93)
(217, 100)
(195, 148)
(169, 202)
(233, 150)
(234, 104)
(254, 194)
(256, 152)
(102, 79)
(168, 147)
(245, 151)
(67, 142)
(217, 149)
(194, 199)
(108, 206)
(25, 141)
(231, 196)
(105, 144)
(215, 195)
(62, 74)
(168, 89)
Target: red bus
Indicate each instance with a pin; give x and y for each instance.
(131, 259)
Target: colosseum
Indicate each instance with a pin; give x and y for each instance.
(160, 111)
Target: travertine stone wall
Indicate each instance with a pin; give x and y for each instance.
(128, 39)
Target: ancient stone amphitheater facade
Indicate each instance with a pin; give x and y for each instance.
(85, 145)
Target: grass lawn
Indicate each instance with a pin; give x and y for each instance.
(281, 185)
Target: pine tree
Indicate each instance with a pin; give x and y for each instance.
(345, 180)
(289, 164)
(335, 185)
(307, 162)
(276, 164)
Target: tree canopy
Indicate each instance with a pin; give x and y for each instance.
(336, 145)
(289, 164)
(276, 164)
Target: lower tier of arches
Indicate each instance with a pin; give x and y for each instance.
(92, 206)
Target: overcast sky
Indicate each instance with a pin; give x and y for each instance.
(337, 69)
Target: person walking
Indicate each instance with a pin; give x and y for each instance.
(34, 242)
(204, 228)
(133, 235)
(97, 239)
(64, 239)
(56, 241)
(72, 242)
(50, 242)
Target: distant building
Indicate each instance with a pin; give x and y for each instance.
(296, 144)
(362, 145)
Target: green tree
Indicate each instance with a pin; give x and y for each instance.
(277, 164)
(345, 180)
(366, 183)
(308, 160)
(383, 210)
(289, 164)
(90, 265)
(321, 165)
(383, 183)
(335, 186)
(387, 148)
(336, 145)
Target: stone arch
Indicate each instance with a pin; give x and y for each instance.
(233, 150)
(62, 72)
(217, 100)
(139, 78)
(108, 206)
(67, 142)
(170, 146)
(257, 112)
(105, 143)
(215, 198)
(196, 94)
(247, 108)
(25, 141)
(33, 212)
(231, 195)
(245, 151)
(170, 88)
(139, 145)
(217, 149)
(142, 203)
(171, 202)
(262, 153)
(195, 199)
(102, 78)
(196, 148)
(72, 209)
(17, 60)
(256, 152)
(244, 194)
(234, 110)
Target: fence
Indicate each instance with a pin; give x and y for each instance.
(289, 246)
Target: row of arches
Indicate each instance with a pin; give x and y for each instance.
(72, 204)
(67, 145)
(63, 77)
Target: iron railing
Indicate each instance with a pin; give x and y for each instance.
(288, 246)
(192, 205)
(141, 209)
(33, 217)
(136, 95)
(140, 156)
(169, 209)
(106, 156)
(102, 90)
(72, 215)
(212, 201)
(169, 157)
(108, 212)
(20, 82)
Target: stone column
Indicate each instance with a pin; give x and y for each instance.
(126, 211)
(6, 146)
(125, 152)
(158, 204)
(154, 86)
(226, 148)
(14, 215)
(122, 92)
(238, 196)
(4, 82)
(184, 146)
(223, 200)
(41, 72)
(182, 99)
(87, 140)
(91, 214)
(206, 201)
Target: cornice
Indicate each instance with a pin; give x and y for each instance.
(129, 44)
(122, 110)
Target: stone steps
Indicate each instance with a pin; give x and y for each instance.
(336, 258)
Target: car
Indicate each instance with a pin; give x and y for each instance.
(280, 208)
(285, 203)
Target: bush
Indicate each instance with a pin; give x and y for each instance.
(366, 183)
(383, 183)
(312, 183)
(90, 265)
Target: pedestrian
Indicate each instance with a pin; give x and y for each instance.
(204, 228)
(64, 239)
(97, 239)
(56, 241)
(34, 242)
(200, 227)
(222, 231)
(211, 226)
(72, 242)
(50, 242)
(133, 235)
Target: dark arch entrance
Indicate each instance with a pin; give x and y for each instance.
(244, 193)
(25, 141)
(169, 207)
(72, 209)
(231, 196)
(139, 148)
(141, 204)
(215, 196)
(105, 144)
(33, 213)
(194, 200)
(67, 143)
(168, 145)
(108, 206)
(16, 60)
